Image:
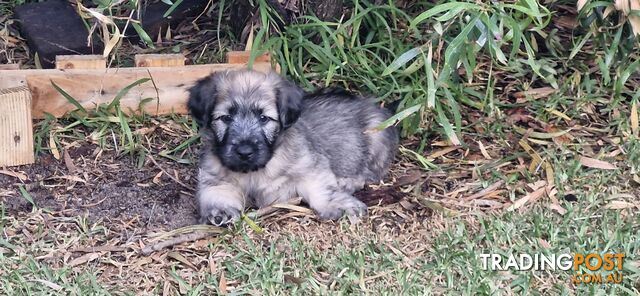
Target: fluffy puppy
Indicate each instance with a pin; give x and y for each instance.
(266, 141)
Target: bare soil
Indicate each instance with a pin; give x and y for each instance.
(111, 187)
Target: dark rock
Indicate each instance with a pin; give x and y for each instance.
(242, 11)
(326, 10)
(53, 28)
(153, 19)
(570, 197)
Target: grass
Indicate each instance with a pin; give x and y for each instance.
(437, 255)
(498, 100)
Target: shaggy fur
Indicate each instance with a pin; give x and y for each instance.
(266, 141)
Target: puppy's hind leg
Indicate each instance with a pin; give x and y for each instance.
(329, 201)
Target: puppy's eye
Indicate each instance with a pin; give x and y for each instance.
(263, 119)
(225, 118)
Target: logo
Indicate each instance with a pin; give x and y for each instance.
(589, 268)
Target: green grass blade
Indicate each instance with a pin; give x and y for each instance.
(402, 60)
(431, 85)
(446, 125)
(398, 117)
(124, 91)
(457, 6)
(172, 8)
(143, 35)
(452, 53)
(26, 195)
(68, 97)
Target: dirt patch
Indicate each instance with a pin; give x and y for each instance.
(105, 185)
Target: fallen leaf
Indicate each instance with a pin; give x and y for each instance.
(634, 20)
(537, 185)
(142, 262)
(534, 93)
(293, 279)
(558, 208)
(293, 208)
(548, 172)
(436, 206)
(543, 243)
(596, 164)
(410, 178)
(177, 256)
(533, 196)
(84, 259)
(20, 176)
(539, 135)
(486, 191)
(213, 268)
(536, 159)
(53, 147)
(564, 139)
(70, 178)
(483, 150)
(106, 24)
(619, 205)
(104, 248)
(442, 152)
(166, 290)
(552, 194)
(517, 115)
(144, 130)
(156, 179)
(49, 284)
(558, 113)
(222, 286)
(608, 11)
(626, 6)
(581, 4)
(68, 162)
(487, 203)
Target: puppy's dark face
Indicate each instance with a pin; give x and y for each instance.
(242, 113)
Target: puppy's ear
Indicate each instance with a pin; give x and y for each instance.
(289, 100)
(202, 99)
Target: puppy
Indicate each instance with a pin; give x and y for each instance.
(266, 141)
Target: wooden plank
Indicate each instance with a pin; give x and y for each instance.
(9, 67)
(93, 87)
(16, 130)
(159, 60)
(242, 57)
(81, 62)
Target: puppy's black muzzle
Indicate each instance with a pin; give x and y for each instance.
(245, 151)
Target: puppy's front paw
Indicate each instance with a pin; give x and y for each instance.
(219, 216)
(219, 207)
(343, 205)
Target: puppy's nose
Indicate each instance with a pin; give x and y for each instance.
(245, 151)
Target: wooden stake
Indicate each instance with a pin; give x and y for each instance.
(80, 62)
(242, 57)
(16, 130)
(9, 67)
(159, 60)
